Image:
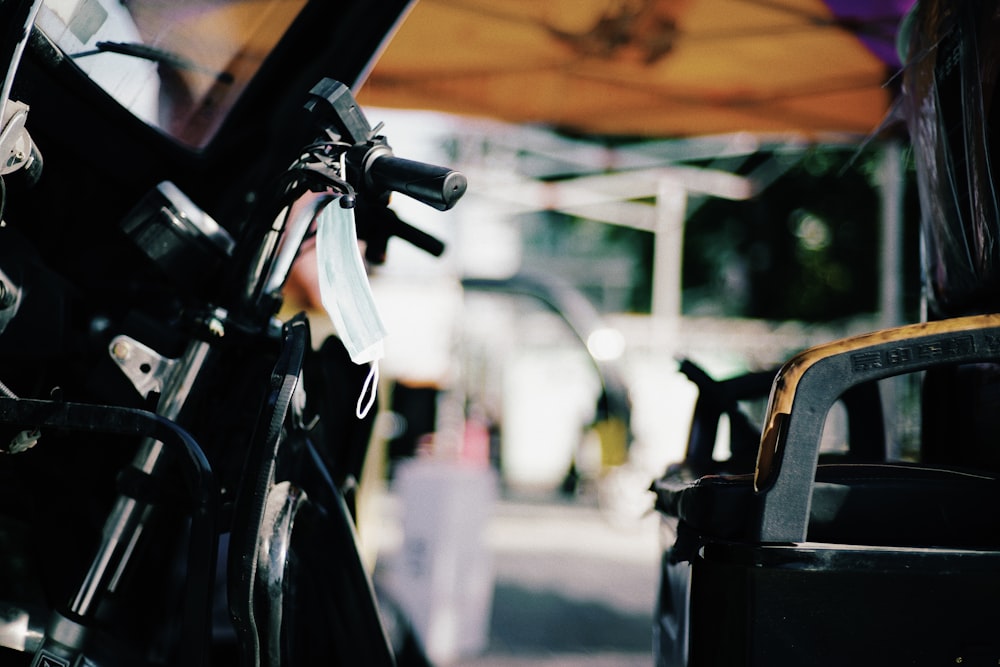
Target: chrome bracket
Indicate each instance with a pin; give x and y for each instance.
(145, 368)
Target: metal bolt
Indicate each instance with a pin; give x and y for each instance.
(216, 327)
(121, 350)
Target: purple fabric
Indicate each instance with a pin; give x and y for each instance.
(874, 22)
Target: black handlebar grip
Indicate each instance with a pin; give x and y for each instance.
(438, 187)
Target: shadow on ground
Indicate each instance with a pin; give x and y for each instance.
(527, 621)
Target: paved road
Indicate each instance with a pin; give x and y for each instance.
(568, 587)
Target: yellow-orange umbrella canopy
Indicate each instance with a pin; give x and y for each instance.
(658, 68)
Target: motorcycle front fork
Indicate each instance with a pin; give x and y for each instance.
(66, 637)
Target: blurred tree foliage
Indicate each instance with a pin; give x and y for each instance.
(806, 249)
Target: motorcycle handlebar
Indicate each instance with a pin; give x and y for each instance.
(333, 104)
(438, 187)
(374, 171)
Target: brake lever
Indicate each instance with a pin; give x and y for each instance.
(377, 223)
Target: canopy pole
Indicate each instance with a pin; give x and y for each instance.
(668, 249)
(891, 189)
(890, 183)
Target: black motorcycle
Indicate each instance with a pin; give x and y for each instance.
(179, 465)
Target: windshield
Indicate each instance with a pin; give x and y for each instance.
(179, 65)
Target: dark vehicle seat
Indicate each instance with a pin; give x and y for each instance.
(807, 562)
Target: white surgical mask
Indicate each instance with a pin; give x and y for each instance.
(347, 294)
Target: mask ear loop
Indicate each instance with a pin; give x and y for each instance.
(370, 388)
